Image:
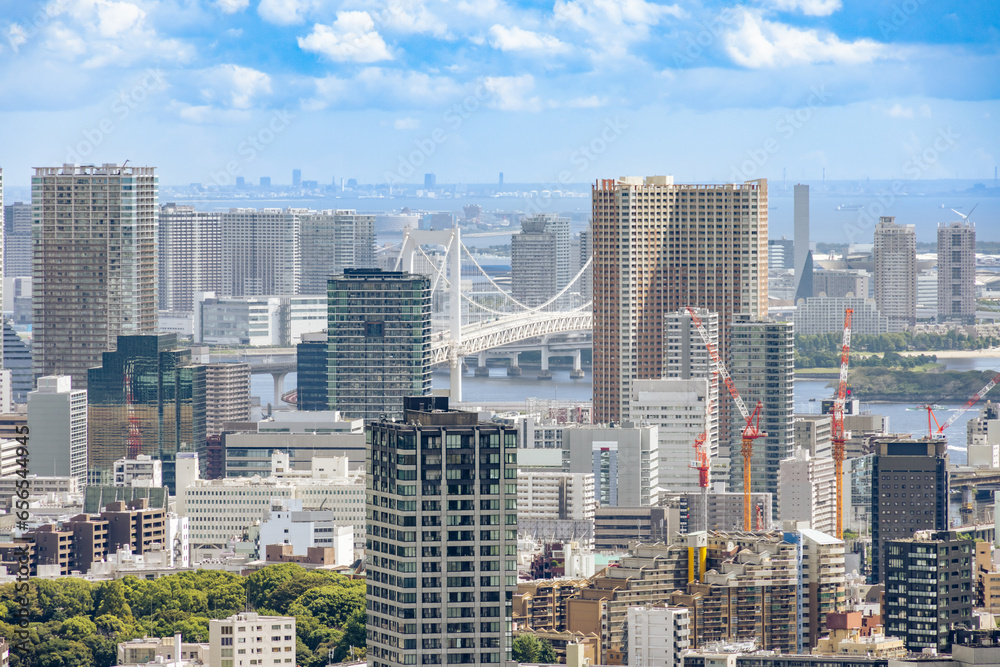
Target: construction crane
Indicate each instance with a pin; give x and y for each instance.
(972, 401)
(702, 463)
(837, 422)
(752, 429)
(134, 438)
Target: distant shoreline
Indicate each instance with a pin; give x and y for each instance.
(991, 353)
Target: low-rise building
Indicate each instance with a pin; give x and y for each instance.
(286, 524)
(657, 636)
(553, 496)
(137, 652)
(143, 470)
(270, 639)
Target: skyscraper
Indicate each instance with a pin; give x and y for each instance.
(659, 247)
(260, 252)
(330, 242)
(956, 272)
(442, 537)
(296, 178)
(57, 421)
(17, 240)
(94, 233)
(190, 256)
(146, 397)
(227, 395)
(379, 334)
(896, 271)
(803, 263)
(540, 258)
(763, 368)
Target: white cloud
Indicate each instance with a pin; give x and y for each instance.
(234, 86)
(613, 26)
(406, 123)
(807, 7)
(16, 36)
(203, 114)
(897, 110)
(510, 93)
(519, 39)
(351, 38)
(758, 43)
(925, 111)
(592, 102)
(375, 87)
(409, 16)
(232, 6)
(284, 12)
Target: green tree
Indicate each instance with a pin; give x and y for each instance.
(63, 653)
(111, 600)
(262, 583)
(529, 648)
(354, 636)
(77, 627)
(226, 599)
(332, 605)
(60, 599)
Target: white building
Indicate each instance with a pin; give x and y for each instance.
(825, 314)
(190, 255)
(142, 471)
(245, 639)
(245, 320)
(306, 314)
(287, 523)
(221, 509)
(679, 410)
(807, 491)
(657, 636)
(823, 580)
(813, 433)
(148, 649)
(555, 495)
(57, 423)
(687, 358)
(6, 385)
(983, 436)
(623, 459)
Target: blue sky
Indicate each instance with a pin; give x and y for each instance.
(571, 90)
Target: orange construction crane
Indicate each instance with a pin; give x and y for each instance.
(837, 422)
(752, 429)
(965, 408)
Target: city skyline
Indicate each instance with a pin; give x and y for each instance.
(577, 90)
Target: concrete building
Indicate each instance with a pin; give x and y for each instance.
(657, 636)
(17, 359)
(983, 436)
(231, 641)
(57, 423)
(623, 460)
(86, 292)
(140, 471)
(260, 251)
(813, 434)
(723, 510)
(586, 282)
(332, 241)
(928, 588)
(895, 271)
(807, 491)
(246, 320)
(227, 395)
(540, 258)
(653, 254)
(218, 510)
(249, 448)
(616, 527)
(311, 369)
(286, 523)
(190, 256)
(927, 295)
(762, 367)
(781, 254)
(825, 314)
(822, 581)
(687, 358)
(555, 496)
(956, 272)
(137, 652)
(679, 409)
(456, 567)
(919, 467)
(379, 341)
(841, 283)
(16, 239)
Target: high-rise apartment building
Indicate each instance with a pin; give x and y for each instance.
(94, 232)
(147, 397)
(928, 588)
(896, 271)
(956, 272)
(190, 246)
(260, 251)
(909, 492)
(807, 491)
(442, 537)
(841, 283)
(659, 247)
(586, 282)
(17, 240)
(57, 422)
(540, 261)
(679, 410)
(227, 395)
(378, 341)
(687, 358)
(763, 368)
(332, 241)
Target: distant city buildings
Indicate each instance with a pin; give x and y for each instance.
(86, 290)
(16, 239)
(379, 333)
(330, 242)
(825, 314)
(807, 491)
(540, 260)
(838, 283)
(653, 255)
(956, 272)
(895, 258)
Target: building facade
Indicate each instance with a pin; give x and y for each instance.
(657, 636)
(807, 491)
(87, 291)
(190, 245)
(659, 247)
(687, 358)
(442, 537)
(540, 259)
(57, 423)
(379, 333)
(332, 241)
(231, 641)
(16, 239)
(825, 314)
(311, 369)
(895, 271)
(956, 272)
(227, 395)
(260, 251)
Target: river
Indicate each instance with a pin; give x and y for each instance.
(499, 388)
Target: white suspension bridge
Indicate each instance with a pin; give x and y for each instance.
(481, 314)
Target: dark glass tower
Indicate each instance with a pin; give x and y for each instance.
(146, 398)
(379, 340)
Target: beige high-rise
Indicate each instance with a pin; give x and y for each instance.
(659, 247)
(94, 234)
(896, 272)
